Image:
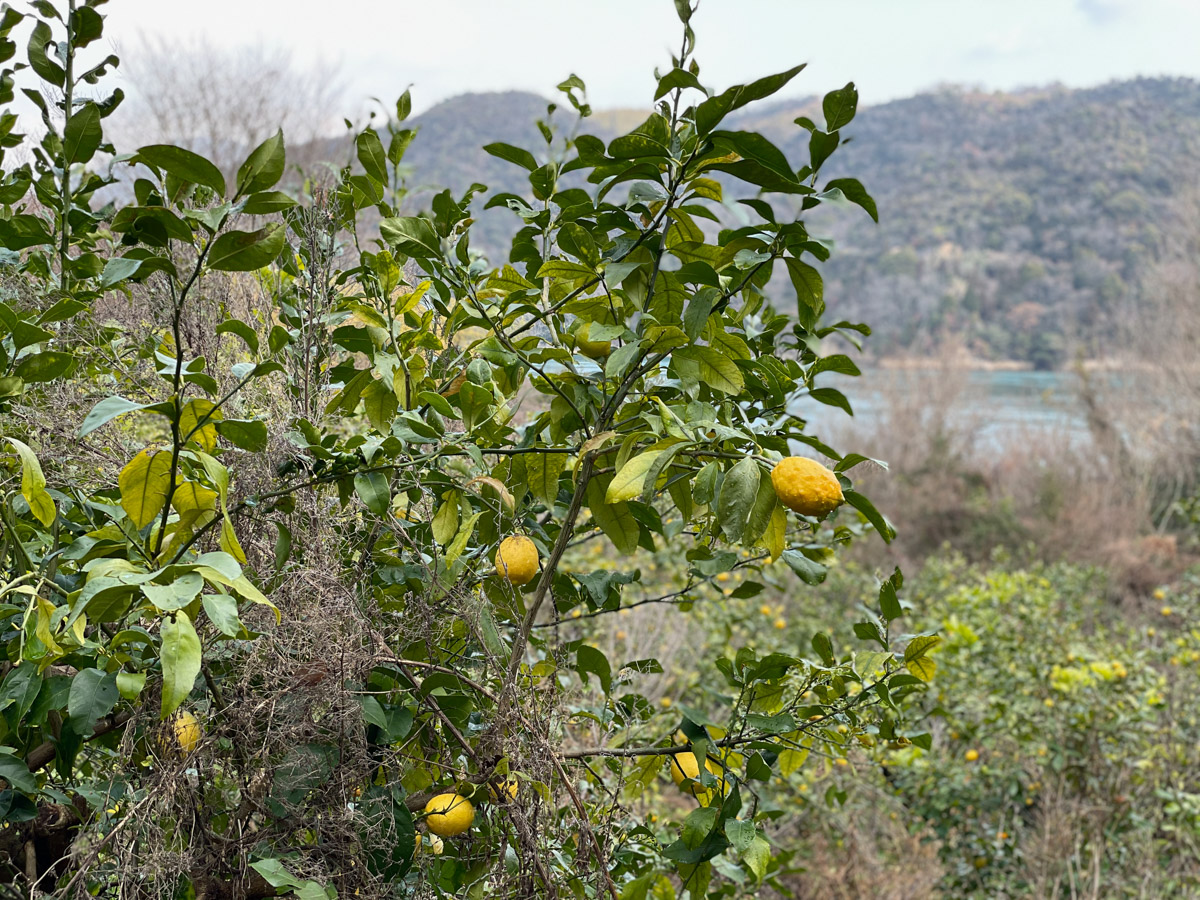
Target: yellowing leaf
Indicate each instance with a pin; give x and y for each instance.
(144, 483)
(33, 484)
(627, 484)
(229, 541)
(922, 667)
(775, 537)
(542, 471)
(505, 497)
(191, 496)
(190, 427)
(381, 405)
(445, 521)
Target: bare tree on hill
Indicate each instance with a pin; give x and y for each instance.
(223, 101)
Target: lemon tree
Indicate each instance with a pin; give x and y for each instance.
(297, 480)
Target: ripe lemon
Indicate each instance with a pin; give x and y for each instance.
(448, 815)
(509, 787)
(517, 559)
(971, 755)
(684, 766)
(187, 731)
(805, 486)
(591, 349)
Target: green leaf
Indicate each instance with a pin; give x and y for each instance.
(380, 404)
(246, 434)
(889, 603)
(44, 366)
(263, 167)
(183, 164)
(222, 611)
(543, 471)
(372, 156)
(14, 770)
(33, 484)
(867, 508)
(698, 825)
(854, 192)
(757, 857)
(741, 834)
(176, 595)
(39, 60)
(590, 660)
(144, 483)
(810, 291)
(412, 235)
(93, 695)
(245, 251)
(738, 493)
(756, 148)
(711, 368)
(83, 134)
(710, 113)
(118, 269)
(131, 684)
(180, 657)
(509, 153)
(839, 107)
(267, 202)
(810, 572)
(373, 490)
(107, 410)
(615, 520)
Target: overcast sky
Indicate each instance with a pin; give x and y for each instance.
(891, 48)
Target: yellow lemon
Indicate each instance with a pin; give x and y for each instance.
(807, 487)
(765, 609)
(448, 815)
(1166, 610)
(591, 349)
(517, 559)
(722, 576)
(781, 624)
(187, 731)
(684, 766)
(971, 755)
(508, 788)
(665, 702)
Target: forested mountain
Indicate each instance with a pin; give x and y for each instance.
(1021, 224)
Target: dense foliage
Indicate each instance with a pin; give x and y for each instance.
(259, 614)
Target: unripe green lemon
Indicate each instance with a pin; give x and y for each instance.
(589, 348)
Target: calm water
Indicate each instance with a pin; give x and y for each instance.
(996, 406)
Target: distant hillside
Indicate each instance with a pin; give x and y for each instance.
(1020, 224)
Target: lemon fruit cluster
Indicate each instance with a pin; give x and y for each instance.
(805, 486)
(449, 815)
(517, 559)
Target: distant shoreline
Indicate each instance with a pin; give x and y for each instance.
(966, 361)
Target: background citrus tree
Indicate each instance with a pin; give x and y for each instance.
(299, 591)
